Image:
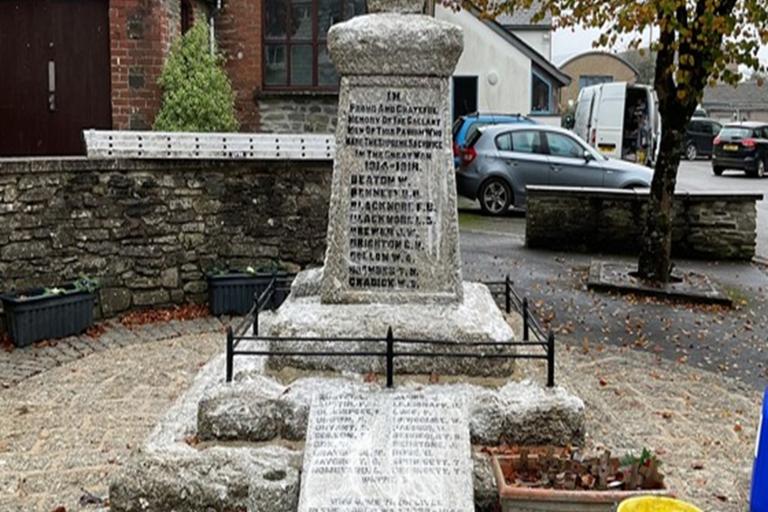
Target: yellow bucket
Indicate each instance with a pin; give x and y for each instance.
(655, 504)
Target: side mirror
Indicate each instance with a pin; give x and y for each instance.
(588, 156)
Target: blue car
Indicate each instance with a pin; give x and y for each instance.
(468, 124)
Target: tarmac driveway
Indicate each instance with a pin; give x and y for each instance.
(730, 341)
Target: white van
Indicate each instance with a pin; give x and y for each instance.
(620, 120)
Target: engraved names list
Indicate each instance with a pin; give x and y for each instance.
(402, 452)
(395, 134)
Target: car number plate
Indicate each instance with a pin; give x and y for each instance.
(731, 147)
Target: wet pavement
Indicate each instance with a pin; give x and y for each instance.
(731, 341)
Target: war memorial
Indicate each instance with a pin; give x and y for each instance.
(323, 432)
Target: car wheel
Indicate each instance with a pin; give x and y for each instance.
(495, 197)
(690, 152)
(717, 170)
(760, 171)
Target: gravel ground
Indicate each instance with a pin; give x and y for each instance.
(702, 425)
(64, 431)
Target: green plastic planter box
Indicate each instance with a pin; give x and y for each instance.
(233, 293)
(31, 316)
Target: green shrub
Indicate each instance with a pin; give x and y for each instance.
(197, 95)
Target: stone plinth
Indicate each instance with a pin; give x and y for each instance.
(476, 319)
(260, 409)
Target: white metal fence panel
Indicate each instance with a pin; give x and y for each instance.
(202, 146)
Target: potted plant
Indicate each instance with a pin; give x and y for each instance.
(44, 313)
(232, 291)
(558, 480)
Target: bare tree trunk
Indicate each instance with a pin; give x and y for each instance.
(655, 260)
(656, 251)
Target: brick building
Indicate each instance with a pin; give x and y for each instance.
(140, 35)
(59, 81)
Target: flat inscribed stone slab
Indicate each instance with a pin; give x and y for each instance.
(393, 230)
(399, 452)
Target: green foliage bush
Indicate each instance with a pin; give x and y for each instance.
(197, 95)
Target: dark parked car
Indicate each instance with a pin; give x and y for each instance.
(699, 136)
(742, 146)
(500, 161)
(465, 126)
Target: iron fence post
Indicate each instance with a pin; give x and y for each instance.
(230, 353)
(256, 314)
(525, 319)
(551, 360)
(507, 298)
(390, 358)
(273, 286)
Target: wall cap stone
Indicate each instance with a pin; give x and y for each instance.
(640, 194)
(82, 164)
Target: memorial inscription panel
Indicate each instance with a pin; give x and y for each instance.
(393, 213)
(400, 452)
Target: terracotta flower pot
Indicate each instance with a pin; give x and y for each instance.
(529, 499)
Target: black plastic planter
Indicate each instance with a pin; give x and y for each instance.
(233, 293)
(31, 316)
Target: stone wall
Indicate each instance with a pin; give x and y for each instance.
(150, 229)
(706, 225)
(298, 113)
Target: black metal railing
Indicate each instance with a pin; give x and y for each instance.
(391, 347)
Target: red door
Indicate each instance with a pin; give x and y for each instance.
(54, 74)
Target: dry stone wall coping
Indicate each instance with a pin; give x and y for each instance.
(638, 194)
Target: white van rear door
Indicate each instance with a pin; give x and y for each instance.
(583, 112)
(610, 119)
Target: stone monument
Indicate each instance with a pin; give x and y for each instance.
(393, 248)
(402, 452)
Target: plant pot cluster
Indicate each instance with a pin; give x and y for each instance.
(558, 479)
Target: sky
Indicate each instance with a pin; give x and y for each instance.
(566, 43)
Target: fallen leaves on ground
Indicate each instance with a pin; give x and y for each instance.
(151, 316)
(6, 343)
(95, 331)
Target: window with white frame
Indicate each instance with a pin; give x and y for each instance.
(541, 95)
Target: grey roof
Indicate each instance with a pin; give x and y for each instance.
(521, 18)
(541, 62)
(745, 96)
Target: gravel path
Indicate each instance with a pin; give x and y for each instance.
(67, 429)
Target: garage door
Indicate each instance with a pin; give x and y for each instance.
(54, 74)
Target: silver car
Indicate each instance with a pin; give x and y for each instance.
(499, 161)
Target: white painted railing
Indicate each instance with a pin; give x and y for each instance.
(202, 146)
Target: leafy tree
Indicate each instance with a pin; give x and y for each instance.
(197, 95)
(698, 43)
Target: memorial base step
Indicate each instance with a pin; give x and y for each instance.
(476, 319)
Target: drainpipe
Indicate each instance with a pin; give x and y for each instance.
(212, 25)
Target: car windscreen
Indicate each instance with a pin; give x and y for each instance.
(735, 132)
